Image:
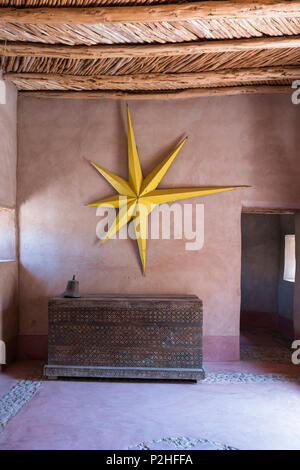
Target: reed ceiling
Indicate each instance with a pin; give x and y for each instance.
(229, 45)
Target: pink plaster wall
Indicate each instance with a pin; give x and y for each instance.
(8, 147)
(235, 140)
(8, 270)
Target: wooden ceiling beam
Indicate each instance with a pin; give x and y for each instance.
(150, 50)
(151, 13)
(190, 93)
(158, 81)
(260, 210)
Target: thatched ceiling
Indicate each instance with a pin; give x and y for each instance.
(62, 46)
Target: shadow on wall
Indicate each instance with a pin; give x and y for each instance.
(34, 308)
(35, 299)
(280, 149)
(57, 140)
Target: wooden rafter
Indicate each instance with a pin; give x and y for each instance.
(181, 94)
(260, 210)
(158, 81)
(153, 50)
(136, 14)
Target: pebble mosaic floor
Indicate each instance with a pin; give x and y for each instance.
(181, 443)
(16, 398)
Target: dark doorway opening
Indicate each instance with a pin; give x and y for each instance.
(267, 284)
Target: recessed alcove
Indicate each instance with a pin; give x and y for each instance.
(7, 235)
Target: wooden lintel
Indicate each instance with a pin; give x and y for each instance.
(151, 13)
(10, 49)
(260, 210)
(190, 93)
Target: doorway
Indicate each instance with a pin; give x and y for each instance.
(267, 282)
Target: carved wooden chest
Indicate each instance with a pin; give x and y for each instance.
(132, 336)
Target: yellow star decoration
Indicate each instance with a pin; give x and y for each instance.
(137, 197)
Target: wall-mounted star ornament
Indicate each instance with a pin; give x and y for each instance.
(138, 196)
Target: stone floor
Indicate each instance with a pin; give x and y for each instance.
(250, 404)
